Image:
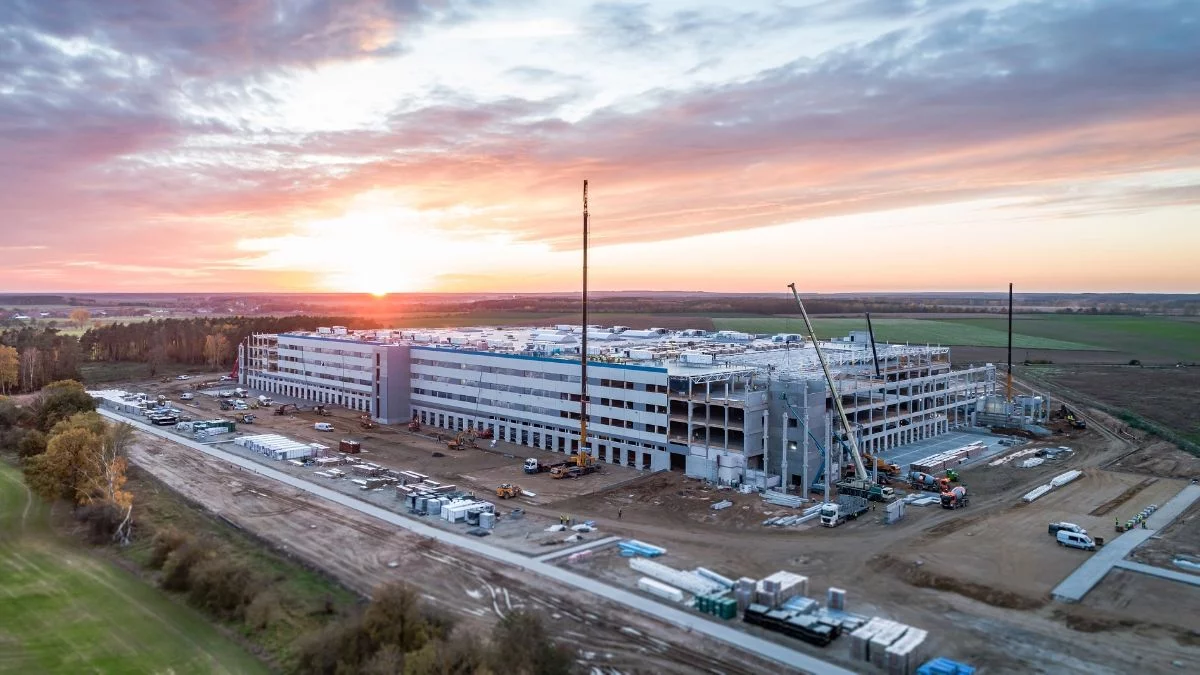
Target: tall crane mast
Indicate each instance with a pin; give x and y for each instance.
(860, 470)
(583, 357)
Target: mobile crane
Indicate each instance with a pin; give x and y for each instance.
(581, 462)
(861, 485)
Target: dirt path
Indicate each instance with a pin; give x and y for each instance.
(362, 553)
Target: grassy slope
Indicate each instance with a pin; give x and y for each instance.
(1152, 337)
(917, 331)
(65, 611)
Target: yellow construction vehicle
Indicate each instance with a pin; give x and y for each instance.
(464, 440)
(578, 464)
(508, 491)
(366, 422)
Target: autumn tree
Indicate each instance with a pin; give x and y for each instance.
(80, 317)
(10, 368)
(216, 347)
(85, 463)
(59, 401)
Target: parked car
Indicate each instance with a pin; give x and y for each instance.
(1055, 528)
(186, 396)
(1075, 540)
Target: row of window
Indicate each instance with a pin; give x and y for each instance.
(523, 432)
(542, 393)
(327, 350)
(327, 378)
(329, 364)
(536, 410)
(540, 375)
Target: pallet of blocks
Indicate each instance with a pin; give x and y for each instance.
(884, 639)
(780, 587)
(907, 653)
(871, 641)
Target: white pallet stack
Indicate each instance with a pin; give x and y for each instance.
(688, 581)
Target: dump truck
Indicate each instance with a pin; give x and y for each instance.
(534, 465)
(846, 507)
(508, 491)
(955, 498)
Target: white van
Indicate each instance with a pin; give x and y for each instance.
(186, 396)
(1075, 540)
(323, 426)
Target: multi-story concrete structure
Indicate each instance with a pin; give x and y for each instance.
(725, 406)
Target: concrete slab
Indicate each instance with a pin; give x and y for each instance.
(1085, 578)
(907, 454)
(1184, 577)
(1087, 575)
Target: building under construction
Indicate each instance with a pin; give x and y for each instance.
(730, 407)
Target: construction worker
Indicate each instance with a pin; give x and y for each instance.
(619, 514)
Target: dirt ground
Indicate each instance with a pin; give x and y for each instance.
(1179, 539)
(978, 578)
(362, 553)
(1164, 395)
(1160, 458)
(1133, 601)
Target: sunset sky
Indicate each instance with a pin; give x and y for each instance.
(389, 145)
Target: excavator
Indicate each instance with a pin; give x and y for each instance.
(285, 408)
(508, 491)
(879, 463)
(322, 411)
(464, 440)
(366, 422)
(414, 424)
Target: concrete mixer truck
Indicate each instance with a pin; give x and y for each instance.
(925, 481)
(955, 498)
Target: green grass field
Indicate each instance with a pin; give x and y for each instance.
(916, 331)
(1144, 337)
(65, 611)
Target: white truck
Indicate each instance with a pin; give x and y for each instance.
(847, 507)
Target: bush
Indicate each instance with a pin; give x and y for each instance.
(60, 400)
(222, 587)
(102, 520)
(520, 645)
(178, 567)
(395, 617)
(165, 542)
(32, 444)
(263, 610)
(342, 646)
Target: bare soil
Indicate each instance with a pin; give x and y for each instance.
(1160, 458)
(1179, 539)
(978, 578)
(363, 553)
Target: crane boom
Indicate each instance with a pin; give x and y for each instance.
(583, 357)
(859, 469)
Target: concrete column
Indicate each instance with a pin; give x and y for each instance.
(783, 471)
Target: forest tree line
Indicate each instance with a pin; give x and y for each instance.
(34, 356)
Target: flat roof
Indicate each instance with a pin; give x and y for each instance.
(682, 353)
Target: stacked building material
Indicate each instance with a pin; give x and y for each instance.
(366, 470)
(780, 587)
(801, 605)
(1036, 492)
(713, 576)
(633, 547)
(948, 459)
(743, 592)
(835, 598)
(349, 447)
(905, 654)
(1064, 478)
(886, 637)
(724, 504)
(781, 499)
(717, 605)
(688, 581)
(660, 589)
(944, 666)
(860, 639)
(1031, 462)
